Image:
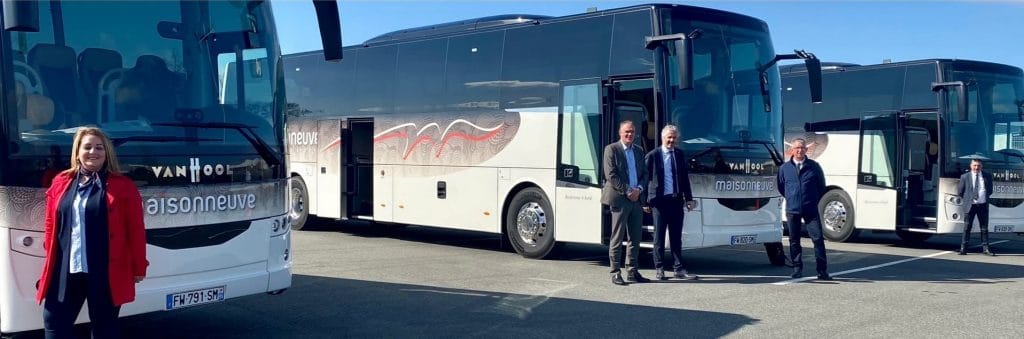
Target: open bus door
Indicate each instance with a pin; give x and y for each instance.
(357, 148)
(879, 177)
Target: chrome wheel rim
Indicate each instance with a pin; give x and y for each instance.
(531, 223)
(834, 217)
(298, 205)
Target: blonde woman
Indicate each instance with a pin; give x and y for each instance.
(95, 240)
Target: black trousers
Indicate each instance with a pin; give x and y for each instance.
(668, 216)
(59, 316)
(981, 211)
(795, 223)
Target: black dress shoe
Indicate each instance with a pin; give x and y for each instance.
(824, 276)
(635, 277)
(686, 276)
(660, 274)
(962, 251)
(617, 279)
(797, 275)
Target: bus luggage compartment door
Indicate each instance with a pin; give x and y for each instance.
(329, 197)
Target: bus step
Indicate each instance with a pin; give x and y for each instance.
(921, 230)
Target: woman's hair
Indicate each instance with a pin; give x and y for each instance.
(109, 165)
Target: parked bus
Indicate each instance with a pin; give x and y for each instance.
(208, 157)
(894, 139)
(497, 124)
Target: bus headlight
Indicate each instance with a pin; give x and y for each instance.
(952, 199)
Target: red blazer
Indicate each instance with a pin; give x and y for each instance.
(125, 228)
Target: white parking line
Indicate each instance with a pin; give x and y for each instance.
(897, 262)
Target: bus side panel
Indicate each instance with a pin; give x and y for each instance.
(303, 146)
(534, 143)
(18, 309)
(383, 193)
(578, 215)
(451, 197)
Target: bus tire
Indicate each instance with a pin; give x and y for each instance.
(299, 209)
(530, 224)
(912, 238)
(836, 214)
(776, 254)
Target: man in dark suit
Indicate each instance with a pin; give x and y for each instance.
(624, 178)
(975, 187)
(801, 182)
(667, 192)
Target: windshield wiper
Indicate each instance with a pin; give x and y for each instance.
(268, 154)
(156, 138)
(711, 149)
(770, 146)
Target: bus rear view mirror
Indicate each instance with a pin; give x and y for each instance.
(683, 46)
(684, 52)
(21, 15)
(330, 28)
(961, 97)
(814, 78)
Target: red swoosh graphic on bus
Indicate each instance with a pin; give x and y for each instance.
(390, 136)
(420, 140)
(461, 135)
(446, 136)
(334, 143)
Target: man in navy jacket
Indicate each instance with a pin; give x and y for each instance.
(802, 183)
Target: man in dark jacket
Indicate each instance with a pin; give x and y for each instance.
(975, 187)
(802, 183)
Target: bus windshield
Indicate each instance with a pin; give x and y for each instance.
(129, 66)
(994, 128)
(724, 114)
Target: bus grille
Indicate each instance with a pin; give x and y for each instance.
(744, 204)
(1005, 203)
(195, 236)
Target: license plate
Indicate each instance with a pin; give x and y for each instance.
(1003, 228)
(743, 239)
(195, 297)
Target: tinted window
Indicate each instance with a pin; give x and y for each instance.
(539, 57)
(375, 79)
(629, 56)
(420, 85)
(317, 87)
(473, 72)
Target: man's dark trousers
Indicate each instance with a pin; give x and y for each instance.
(795, 223)
(668, 214)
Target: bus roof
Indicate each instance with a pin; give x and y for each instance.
(800, 69)
(512, 20)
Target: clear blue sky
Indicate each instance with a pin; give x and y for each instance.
(862, 32)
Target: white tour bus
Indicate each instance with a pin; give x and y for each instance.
(497, 124)
(894, 139)
(208, 159)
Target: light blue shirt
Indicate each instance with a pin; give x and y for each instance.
(631, 163)
(668, 163)
(78, 263)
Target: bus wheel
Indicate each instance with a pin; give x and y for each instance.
(298, 211)
(913, 237)
(776, 254)
(836, 213)
(530, 224)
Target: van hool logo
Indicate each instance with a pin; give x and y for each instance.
(194, 171)
(1006, 175)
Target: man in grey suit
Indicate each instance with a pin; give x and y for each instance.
(975, 187)
(625, 175)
